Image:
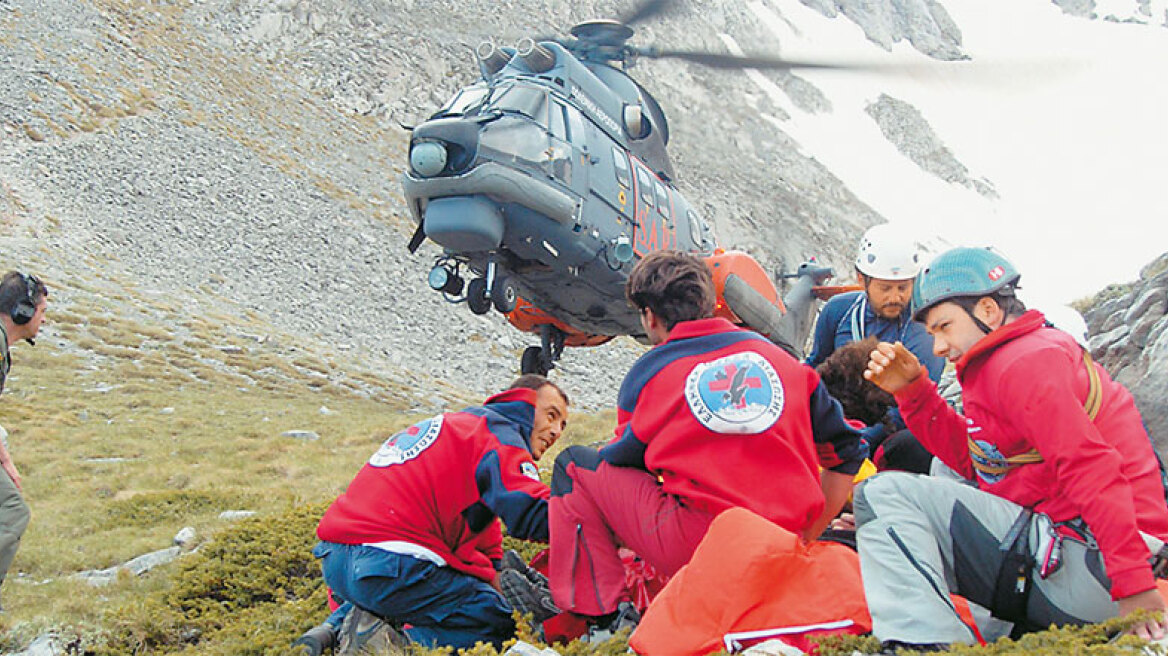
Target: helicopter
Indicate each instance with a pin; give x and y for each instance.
(548, 178)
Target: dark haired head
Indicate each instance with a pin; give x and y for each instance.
(843, 376)
(16, 287)
(1011, 305)
(537, 382)
(676, 286)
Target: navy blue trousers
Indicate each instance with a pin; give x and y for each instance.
(444, 607)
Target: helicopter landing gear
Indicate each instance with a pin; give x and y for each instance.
(542, 359)
(476, 296)
(504, 296)
(532, 361)
(492, 289)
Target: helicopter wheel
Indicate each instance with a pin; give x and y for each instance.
(476, 296)
(504, 295)
(532, 361)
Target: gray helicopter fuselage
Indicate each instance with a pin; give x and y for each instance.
(547, 179)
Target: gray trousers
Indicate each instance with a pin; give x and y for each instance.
(921, 538)
(13, 520)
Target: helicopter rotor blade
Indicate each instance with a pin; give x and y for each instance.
(727, 61)
(644, 11)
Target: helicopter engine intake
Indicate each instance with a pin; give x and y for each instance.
(491, 59)
(538, 58)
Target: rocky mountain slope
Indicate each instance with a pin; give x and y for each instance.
(244, 156)
(1128, 324)
(248, 154)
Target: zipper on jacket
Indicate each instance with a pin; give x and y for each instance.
(581, 541)
(575, 560)
(591, 567)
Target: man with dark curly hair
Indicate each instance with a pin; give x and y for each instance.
(892, 446)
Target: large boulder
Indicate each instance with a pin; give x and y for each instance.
(1128, 328)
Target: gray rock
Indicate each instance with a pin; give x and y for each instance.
(1081, 8)
(923, 23)
(185, 537)
(905, 127)
(48, 644)
(1150, 300)
(149, 561)
(233, 515)
(136, 566)
(1143, 325)
(1100, 344)
(306, 435)
(1134, 344)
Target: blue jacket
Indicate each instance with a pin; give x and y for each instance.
(848, 317)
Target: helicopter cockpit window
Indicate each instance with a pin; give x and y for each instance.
(662, 199)
(622, 167)
(646, 186)
(556, 121)
(465, 101)
(696, 228)
(529, 101)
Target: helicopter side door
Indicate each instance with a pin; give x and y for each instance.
(561, 163)
(653, 212)
(566, 130)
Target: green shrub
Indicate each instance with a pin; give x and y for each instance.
(252, 590)
(152, 508)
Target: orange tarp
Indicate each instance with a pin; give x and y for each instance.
(749, 575)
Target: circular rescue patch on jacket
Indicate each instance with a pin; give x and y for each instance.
(739, 394)
(408, 444)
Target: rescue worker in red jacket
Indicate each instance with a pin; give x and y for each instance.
(1067, 480)
(723, 417)
(415, 538)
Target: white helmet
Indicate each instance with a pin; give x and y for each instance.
(888, 254)
(1067, 319)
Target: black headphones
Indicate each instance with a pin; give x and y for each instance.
(25, 308)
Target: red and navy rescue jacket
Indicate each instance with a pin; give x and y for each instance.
(1024, 385)
(442, 483)
(728, 419)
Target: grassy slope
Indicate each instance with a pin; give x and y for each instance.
(201, 427)
(197, 413)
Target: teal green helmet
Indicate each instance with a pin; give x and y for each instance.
(961, 272)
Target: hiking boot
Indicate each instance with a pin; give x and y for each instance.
(527, 596)
(363, 632)
(316, 640)
(895, 647)
(513, 561)
(626, 618)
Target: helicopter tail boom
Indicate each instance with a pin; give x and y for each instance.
(789, 327)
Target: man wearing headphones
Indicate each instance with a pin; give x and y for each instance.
(23, 300)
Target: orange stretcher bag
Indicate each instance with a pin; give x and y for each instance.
(751, 580)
